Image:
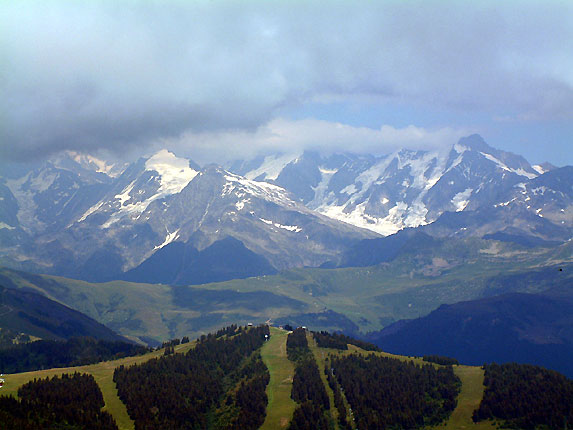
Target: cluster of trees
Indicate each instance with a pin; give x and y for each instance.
(340, 341)
(183, 391)
(326, 340)
(389, 393)
(297, 345)
(171, 343)
(10, 337)
(338, 398)
(227, 331)
(307, 416)
(440, 359)
(70, 402)
(46, 354)
(526, 397)
(307, 387)
(366, 346)
(248, 402)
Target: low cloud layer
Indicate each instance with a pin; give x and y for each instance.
(118, 75)
(294, 137)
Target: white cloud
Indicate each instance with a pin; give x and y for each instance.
(286, 136)
(86, 75)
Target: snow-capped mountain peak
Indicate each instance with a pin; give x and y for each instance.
(174, 172)
(159, 177)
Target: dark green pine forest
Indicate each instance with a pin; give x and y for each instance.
(70, 402)
(218, 384)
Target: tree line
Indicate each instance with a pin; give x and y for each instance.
(340, 341)
(440, 359)
(228, 331)
(307, 387)
(389, 393)
(197, 390)
(66, 402)
(79, 351)
(343, 422)
(526, 397)
(297, 345)
(246, 403)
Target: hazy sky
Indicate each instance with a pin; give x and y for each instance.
(218, 79)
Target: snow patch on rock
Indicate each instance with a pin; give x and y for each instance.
(358, 217)
(271, 167)
(293, 228)
(520, 171)
(168, 239)
(263, 190)
(461, 200)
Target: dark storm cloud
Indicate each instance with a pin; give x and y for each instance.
(89, 75)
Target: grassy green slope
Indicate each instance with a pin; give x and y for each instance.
(280, 407)
(414, 284)
(155, 312)
(468, 400)
(365, 298)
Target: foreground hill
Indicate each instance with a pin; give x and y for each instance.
(291, 381)
(524, 328)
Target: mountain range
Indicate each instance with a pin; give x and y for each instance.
(413, 188)
(81, 217)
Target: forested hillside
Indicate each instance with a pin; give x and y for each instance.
(70, 402)
(206, 388)
(526, 397)
(388, 393)
(307, 388)
(524, 328)
(46, 354)
(230, 380)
